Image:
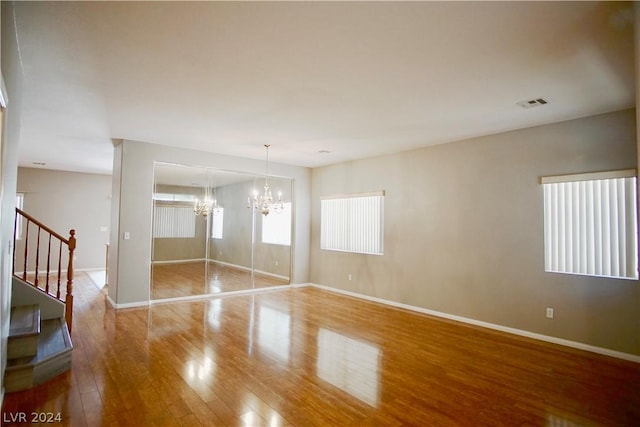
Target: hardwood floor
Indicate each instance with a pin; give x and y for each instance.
(308, 357)
(200, 278)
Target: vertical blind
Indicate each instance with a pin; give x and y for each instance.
(590, 227)
(352, 224)
(174, 222)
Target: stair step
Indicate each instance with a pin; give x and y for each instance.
(24, 328)
(25, 320)
(53, 358)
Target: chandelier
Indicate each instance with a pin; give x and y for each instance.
(264, 202)
(208, 204)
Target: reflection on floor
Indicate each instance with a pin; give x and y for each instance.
(99, 278)
(307, 357)
(200, 278)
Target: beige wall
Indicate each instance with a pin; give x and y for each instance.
(133, 186)
(637, 63)
(464, 231)
(12, 76)
(70, 200)
(235, 246)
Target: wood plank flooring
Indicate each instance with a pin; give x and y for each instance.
(200, 278)
(307, 357)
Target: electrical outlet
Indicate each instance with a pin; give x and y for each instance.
(350, 277)
(549, 313)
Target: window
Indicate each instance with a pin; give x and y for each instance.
(352, 223)
(19, 205)
(174, 222)
(217, 220)
(590, 224)
(276, 227)
(170, 197)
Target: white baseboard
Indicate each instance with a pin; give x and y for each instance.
(200, 297)
(127, 305)
(220, 295)
(567, 343)
(230, 265)
(248, 269)
(178, 261)
(226, 264)
(275, 276)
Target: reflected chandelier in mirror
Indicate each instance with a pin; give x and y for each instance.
(264, 202)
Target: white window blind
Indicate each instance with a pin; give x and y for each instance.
(174, 222)
(276, 227)
(352, 223)
(217, 221)
(590, 225)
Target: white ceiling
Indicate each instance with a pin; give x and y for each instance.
(357, 79)
(198, 176)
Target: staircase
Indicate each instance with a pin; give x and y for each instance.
(39, 344)
(37, 350)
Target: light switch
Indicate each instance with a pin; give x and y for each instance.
(126, 235)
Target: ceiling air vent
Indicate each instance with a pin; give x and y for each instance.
(533, 103)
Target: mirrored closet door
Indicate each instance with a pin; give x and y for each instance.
(209, 236)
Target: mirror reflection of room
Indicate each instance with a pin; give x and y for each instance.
(210, 238)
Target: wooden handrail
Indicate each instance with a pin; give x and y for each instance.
(43, 226)
(71, 245)
(68, 312)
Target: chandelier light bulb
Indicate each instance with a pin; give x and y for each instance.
(264, 202)
(207, 204)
